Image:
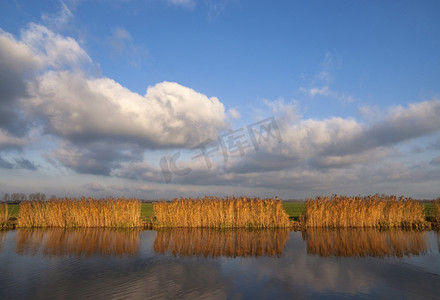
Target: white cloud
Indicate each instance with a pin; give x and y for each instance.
(234, 113)
(54, 50)
(326, 92)
(80, 110)
(320, 84)
(74, 106)
(323, 91)
(60, 19)
(184, 3)
(17, 56)
(168, 115)
(122, 34)
(101, 127)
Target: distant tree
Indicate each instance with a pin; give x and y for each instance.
(52, 198)
(37, 197)
(6, 197)
(15, 197)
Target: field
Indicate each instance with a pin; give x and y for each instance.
(293, 209)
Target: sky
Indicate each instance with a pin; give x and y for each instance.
(158, 99)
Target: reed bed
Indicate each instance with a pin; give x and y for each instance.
(78, 242)
(437, 212)
(369, 211)
(4, 215)
(349, 242)
(210, 242)
(228, 212)
(71, 212)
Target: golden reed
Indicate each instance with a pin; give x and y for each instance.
(4, 215)
(369, 211)
(78, 242)
(68, 213)
(350, 242)
(437, 212)
(215, 212)
(210, 242)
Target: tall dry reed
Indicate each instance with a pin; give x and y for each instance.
(214, 212)
(437, 212)
(213, 242)
(67, 213)
(4, 215)
(369, 211)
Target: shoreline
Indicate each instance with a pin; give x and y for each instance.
(295, 226)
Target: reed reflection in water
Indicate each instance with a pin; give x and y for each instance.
(82, 241)
(438, 240)
(365, 242)
(213, 242)
(2, 239)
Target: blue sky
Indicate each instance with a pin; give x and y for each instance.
(95, 93)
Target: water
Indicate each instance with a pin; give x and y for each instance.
(210, 264)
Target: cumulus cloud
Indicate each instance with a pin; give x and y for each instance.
(17, 64)
(313, 155)
(54, 50)
(337, 141)
(81, 110)
(47, 85)
(100, 127)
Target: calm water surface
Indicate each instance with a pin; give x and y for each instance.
(210, 264)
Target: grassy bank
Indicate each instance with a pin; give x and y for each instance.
(292, 208)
